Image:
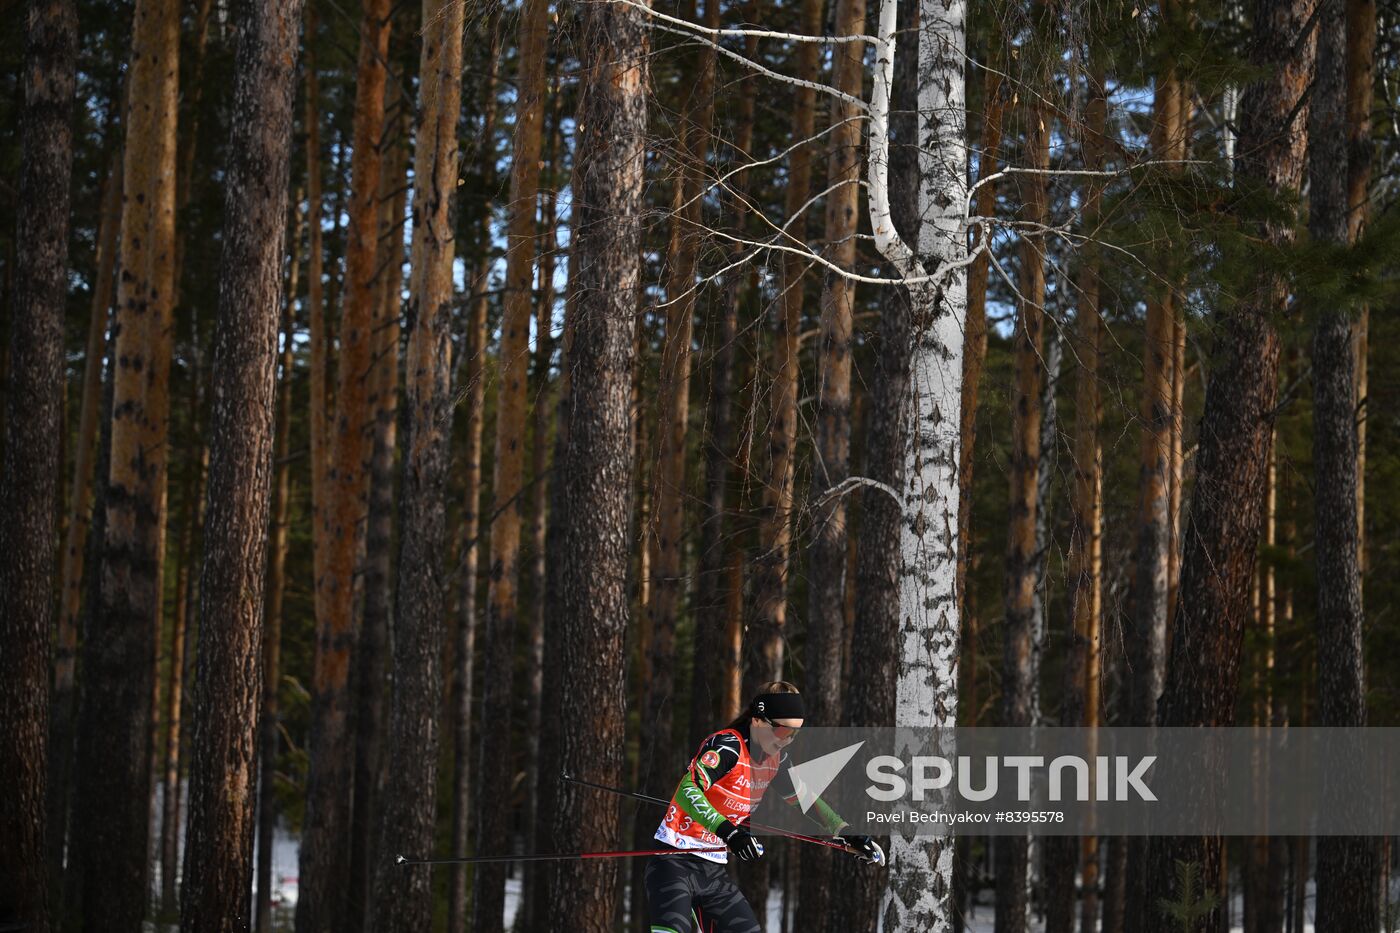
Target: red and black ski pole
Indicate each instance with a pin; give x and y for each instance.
(646, 798)
(545, 857)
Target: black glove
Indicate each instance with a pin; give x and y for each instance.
(868, 848)
(740, 841)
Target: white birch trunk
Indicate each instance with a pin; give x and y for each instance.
(919, 893)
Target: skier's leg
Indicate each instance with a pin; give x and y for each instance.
(671, 884)
(723, 907)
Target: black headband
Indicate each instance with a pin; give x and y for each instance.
(778, 706)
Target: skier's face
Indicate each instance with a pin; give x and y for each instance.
(773, 735)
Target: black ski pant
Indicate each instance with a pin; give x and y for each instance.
(689, 894)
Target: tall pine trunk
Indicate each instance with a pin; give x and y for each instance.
(112, 802)
(712, 593)
(322, 905)
(494, 752)
(1080, 706)
(474, 383)
(29, 493)
(369, 676)
(1019, 686)
(269, 715)
(218, 869)
(1223, 528)
(403, 897)
(1348, 870)
(593, 478)
(764, 641)
(80, 512)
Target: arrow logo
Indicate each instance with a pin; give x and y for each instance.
(810, 778)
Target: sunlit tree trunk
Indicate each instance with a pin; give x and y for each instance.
(763, 644)
(29, 488)
(268, 743)
(322, 904)
(539, 470)
(218, 854)
(1223, 528)
(369, 677)
(593, 475)
(474, 383)
(1080, 706)
(403, 897)
(112, 815)
(502, 601)
(712, 593)
(1018, 672)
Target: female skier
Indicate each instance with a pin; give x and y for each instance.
(723, 786)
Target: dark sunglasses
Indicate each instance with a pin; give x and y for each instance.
(782, 732)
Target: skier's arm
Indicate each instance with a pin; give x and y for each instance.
(819, 812)
(716, 758)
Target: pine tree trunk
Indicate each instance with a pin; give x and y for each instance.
(594, 465)
(502, 604)
(218, 868)
(270, 718)
(539, 470)
(474, 381)
(322, 905)
(764, 641)
(707, 691)
(1225, 521)
(370, 672)
(1018, 674)
(826, 594)
(29, 493)
(80, 513)
(169, 762)
(403, 897)
(1080, 706)
(1348, 870)
(315, 300)
(112, 815)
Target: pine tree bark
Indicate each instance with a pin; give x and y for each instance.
(369, 675)
(474, 381)
(502, 601)
(827, 569)
(325, 852)
(169, 761)
(539, 512)
(1080, 706)
(218, 868)
(1348, 869)
(112, 802)
(270, 715)
(315, 300)
(29, 495)
(62, 722)
(712, 594)
(403, 897)
(1225, 521)
(764, 641)
(594, 465)
(1018, 681)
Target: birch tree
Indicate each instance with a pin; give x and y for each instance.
(919, 895)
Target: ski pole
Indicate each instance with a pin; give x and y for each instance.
(645, 798)
(545, 857)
